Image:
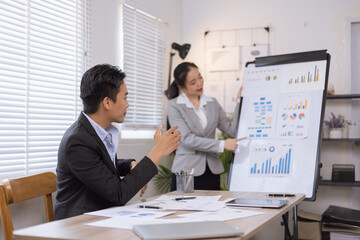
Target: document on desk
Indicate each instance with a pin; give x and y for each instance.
(131, 211)
(128, 222)
(165, 202)
(196, 203)
(123, 222)
(221, 215)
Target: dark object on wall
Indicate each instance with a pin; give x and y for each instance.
(343, 173)
(183, 51)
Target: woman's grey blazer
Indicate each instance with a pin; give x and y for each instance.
(198, 145)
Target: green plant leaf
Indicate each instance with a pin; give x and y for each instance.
(225, 158)
(163, 179)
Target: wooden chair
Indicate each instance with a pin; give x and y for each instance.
(21, 189)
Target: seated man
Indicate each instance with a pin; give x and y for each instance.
(88, 171)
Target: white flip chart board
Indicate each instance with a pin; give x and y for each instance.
(282, 109)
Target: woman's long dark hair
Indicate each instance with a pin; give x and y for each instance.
(180, 74)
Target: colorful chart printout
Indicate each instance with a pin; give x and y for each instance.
(263, 75)
(293, 116)
(305, 76)
(263, 79)
(261, 117)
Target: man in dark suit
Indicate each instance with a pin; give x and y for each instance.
(88, 171)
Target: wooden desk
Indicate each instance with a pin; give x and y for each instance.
(75, 228)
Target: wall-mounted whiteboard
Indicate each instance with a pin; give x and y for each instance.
(281, 114)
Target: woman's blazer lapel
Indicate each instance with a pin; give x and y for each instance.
(194, 119)
(210, 109)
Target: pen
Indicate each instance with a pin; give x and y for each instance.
(148, 206)
(184, 198)
(281, 195)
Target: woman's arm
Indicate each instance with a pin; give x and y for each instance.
(225, 125)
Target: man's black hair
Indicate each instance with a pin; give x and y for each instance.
(100, 81)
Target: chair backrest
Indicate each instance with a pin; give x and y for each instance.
(21, 189)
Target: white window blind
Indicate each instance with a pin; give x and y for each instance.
(143, 62)
(42, 58)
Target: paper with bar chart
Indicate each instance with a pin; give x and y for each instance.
(261, 116)
(270, 160)
(304, 76)
(293, 115)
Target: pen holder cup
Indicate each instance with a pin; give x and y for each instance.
(184, 183)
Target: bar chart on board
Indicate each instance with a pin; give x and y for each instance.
(306, 78)
(271, 160)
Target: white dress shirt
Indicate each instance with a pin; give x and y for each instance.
(109, 137)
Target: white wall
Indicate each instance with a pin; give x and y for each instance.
(295, 26)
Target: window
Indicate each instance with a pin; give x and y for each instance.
(143, 48)
(42, 58)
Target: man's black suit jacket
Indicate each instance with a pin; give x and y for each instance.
(87, 179)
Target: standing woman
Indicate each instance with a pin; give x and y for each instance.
(198, 116)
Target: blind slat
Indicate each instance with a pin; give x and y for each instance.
(144, 56)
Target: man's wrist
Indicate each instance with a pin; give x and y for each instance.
(155, 156)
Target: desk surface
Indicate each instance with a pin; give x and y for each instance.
(75, 228)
